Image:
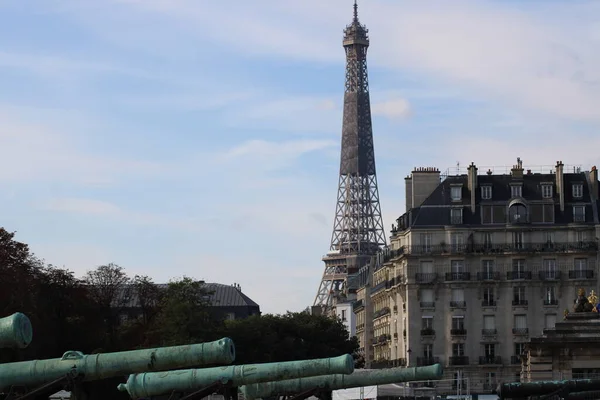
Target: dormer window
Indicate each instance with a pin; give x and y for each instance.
(486, 192)
(517, 213)
(578, 190)
(578, 214)
(516, 191)
(456, 216)
(456, 193)
(546, 191)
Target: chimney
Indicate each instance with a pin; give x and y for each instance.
(517, 170)
(560, 184)
(472, 183)
(423, 181)
(408, 194)
(594, 182)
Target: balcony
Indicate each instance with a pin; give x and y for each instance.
(489, 332)
(490, 360)
(459, 360)
(488, 276)
(581, 274)
(551, 302)
(427, 304)
(458, 304)
(550, 275)
(381, 339)
(483, 248)
(357, 305)
(458, 332)
(520, 331)
(515, 359)
(383, 312)
(458, 276)
(424, 361)
(519, 302)
(488, 303)
(425, 277)
(427, 332)
(514, 275)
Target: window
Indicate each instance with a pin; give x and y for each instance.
(428, 351)
(427, 322)
(343, 315)
(489, 350)
(488, 296)
(427, 295)
(457, 266)
(580, 264)
(520, 324)
(230, 316)
(456, 216)
(550, 321)
(578, 190)
(426, 242)
(517, 213)
(581, 236)
(426, 267)
(487, 240)
(490, 379)
(457, 240)
(519, 349)
(516, 190)
(550, 269)
(519, 296)
(518, 240)
(550, 296)
(489, 323)
(458, 323)
(458, 349)
(487, 269)
(486, 192)
(547, 191)
(578, 213)
(456, 193)
(458, 298)
(549, 237)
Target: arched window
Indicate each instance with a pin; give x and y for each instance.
(517, 213)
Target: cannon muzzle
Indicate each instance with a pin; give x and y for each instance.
(334, 382)
(15, 331)
(154, 384)
(108, 365)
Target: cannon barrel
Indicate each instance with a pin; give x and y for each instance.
(518, 389)
(153, 384)
(15, 331)
(334, 382)
(108, 365)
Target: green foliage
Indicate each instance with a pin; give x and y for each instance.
(292, 336)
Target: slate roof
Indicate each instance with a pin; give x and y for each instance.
(435, 209)
(221, 296)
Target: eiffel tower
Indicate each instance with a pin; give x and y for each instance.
(358, 227)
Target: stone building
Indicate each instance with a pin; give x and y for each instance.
(477, 264)
(569, 350)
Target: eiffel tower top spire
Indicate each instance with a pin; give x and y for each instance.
(355, 12)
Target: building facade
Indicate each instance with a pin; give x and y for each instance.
(477, 264)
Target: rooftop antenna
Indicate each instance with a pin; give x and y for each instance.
(458, 168)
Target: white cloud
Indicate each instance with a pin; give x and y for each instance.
(392, 109)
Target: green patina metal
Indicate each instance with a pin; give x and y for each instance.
(15, 331)
(107, 365)
(334, 382)
(153, 384)
(518, 389)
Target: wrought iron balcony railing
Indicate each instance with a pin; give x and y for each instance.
(458, 304)
(488, 303)
(514, 275)
(515, 359)
(427, 304)
(458, 276)
(489, 360)
(459, 360)
(550, 275)
(427, 332)
(458, 332)
(581, 274)
(520, 331)
(551, 302)
(489, 332)
(519, 302)
(488, 276)
(425, 277)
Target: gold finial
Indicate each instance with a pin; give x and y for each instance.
(592, 298)
(581, 292)
(566, 313)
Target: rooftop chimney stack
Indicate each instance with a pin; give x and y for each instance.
(472, 183)
(594, 182)
(560, 183)
(517, 170)
(420, 184)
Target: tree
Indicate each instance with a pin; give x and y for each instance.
(146, 294)
(292, 336)
(109, 289)
(183, 315)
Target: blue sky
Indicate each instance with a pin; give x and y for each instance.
(201, 138)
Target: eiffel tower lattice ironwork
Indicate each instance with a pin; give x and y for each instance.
(358, 231)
